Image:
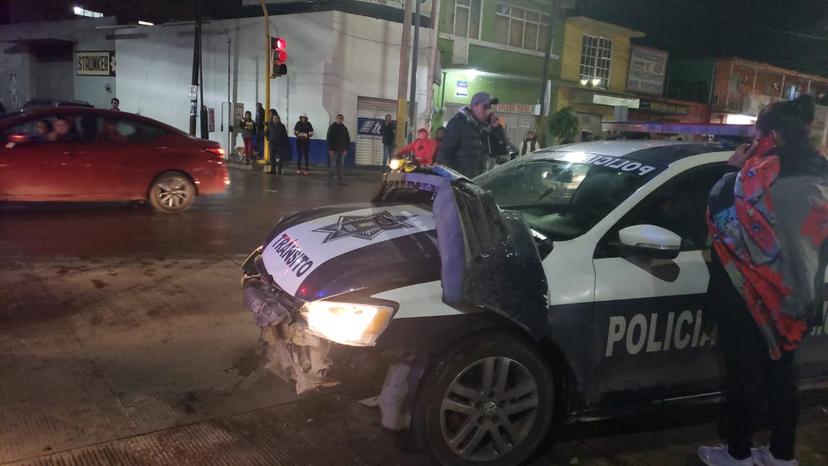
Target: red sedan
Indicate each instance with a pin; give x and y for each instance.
(87, 154)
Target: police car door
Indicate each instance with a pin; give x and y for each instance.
(649, 311)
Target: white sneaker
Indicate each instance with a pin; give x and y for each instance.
(763, 457)
(719, 456)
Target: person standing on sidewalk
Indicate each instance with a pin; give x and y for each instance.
(115, 104)
(388, 130)
(462, 148)
(339, 140)
(303, 130)
(768, 223)
(529, 144)
(277, 137)
(248, 130)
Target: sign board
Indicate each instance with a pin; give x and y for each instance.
(211, 119)
(369, 126)
(527, 109)
(238, 113)
(95, 63)
(462, 89)
(648, 68)
(193, 92)
(665, 108)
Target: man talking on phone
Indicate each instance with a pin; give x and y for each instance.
(467, 136)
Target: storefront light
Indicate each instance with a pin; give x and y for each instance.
(471, 74)
(596, 81)
(584, 82)
(88, 13)
(145, 23)
(737, 119)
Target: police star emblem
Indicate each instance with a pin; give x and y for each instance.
(366, 227)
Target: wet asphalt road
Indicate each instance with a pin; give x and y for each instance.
(234, 222)
(123, 340)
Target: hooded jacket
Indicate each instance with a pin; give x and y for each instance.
(769, 226)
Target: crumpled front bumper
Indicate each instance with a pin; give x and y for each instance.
(292, 353)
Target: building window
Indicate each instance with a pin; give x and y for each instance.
(521, 27)
(466, 18)
(596, 55)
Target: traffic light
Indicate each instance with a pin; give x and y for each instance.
(278, 59)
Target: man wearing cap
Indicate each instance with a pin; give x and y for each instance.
(303, 130)
(465, 146)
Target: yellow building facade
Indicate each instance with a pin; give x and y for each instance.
(594, 66)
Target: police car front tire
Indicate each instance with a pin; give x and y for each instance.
(489, 400)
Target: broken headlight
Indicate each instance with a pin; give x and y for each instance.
(353, 324)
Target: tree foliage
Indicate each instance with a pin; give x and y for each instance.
(563, 126)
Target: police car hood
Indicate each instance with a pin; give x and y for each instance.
(333, 250)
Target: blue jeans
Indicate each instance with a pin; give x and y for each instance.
(387, 152)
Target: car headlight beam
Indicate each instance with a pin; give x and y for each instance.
(353, 324)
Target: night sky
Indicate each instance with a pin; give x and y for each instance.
(771, 31)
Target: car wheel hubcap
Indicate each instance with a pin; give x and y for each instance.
(489, 409)
(173, 192)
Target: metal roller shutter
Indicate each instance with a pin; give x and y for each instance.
(369, 148)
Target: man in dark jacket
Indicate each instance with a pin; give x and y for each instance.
(466, 144)
(388, 130)
(338, 142)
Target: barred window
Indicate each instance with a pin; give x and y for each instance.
(596, 56)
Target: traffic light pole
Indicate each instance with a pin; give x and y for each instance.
(267, 80)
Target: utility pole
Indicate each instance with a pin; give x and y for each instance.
(266, 79)
(196, 60)
(545, 74)
(402, 88)
(435, 56)
(412, 96)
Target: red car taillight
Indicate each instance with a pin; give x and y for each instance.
(218, 154)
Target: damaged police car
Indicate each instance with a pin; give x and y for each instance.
(563, 285)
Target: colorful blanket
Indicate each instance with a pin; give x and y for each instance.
(768, 230)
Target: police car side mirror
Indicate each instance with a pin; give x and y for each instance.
(650, 241)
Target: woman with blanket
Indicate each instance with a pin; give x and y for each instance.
(768, 222)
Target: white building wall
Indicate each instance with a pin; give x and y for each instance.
(333, 58)
(57, 79)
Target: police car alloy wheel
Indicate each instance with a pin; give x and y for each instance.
(171, 193)
(489, 400)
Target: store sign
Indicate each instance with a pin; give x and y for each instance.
(528, 109)
(665, 108)
(95, 63)
(369, 126)
(462, 89)
(648, 68)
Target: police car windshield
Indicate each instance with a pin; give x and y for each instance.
(567, 193)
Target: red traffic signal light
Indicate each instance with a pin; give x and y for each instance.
(278, 47)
